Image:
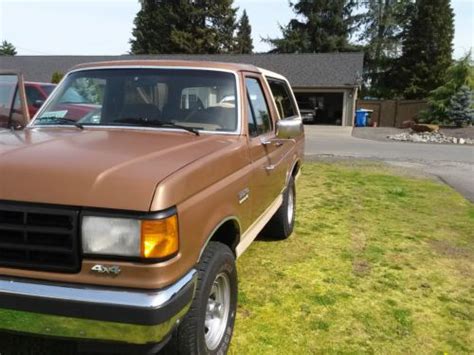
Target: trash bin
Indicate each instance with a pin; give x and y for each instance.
(362, 117)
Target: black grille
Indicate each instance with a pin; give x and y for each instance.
(39, 237)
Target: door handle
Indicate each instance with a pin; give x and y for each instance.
(265, 142)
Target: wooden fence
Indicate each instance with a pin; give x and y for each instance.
(391, 113)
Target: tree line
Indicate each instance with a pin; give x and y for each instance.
(407, 43)
(190, 27)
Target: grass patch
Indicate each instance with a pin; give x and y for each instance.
(378, 263)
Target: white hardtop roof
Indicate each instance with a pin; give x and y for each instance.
(272, 74)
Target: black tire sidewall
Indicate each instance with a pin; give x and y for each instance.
(216, 259)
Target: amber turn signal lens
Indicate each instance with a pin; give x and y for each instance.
(159, 237)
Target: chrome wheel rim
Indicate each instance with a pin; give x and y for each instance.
(291, 206)
(217, 311)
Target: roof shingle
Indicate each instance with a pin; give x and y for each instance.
(302, 70)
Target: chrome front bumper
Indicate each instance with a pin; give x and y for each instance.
(93, 313)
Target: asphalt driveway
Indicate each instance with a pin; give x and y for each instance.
(453, 164)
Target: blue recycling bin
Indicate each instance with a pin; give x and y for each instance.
(361, 118)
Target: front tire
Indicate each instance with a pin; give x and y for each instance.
(209, 324)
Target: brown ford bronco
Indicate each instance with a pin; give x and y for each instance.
(122, 225)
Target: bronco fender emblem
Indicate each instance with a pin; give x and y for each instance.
(112, 270)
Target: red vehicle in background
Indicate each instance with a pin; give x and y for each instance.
(74, 105)
(36, 95)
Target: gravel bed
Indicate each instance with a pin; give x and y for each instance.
(429, 137)
(445, 135)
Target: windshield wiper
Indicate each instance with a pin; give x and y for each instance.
(60, 120)
(153, 123)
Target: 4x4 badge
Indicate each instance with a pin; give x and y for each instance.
(112, 270)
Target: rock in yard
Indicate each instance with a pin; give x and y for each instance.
(428, 137)
(425, 128)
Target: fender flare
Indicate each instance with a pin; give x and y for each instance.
(235, 219)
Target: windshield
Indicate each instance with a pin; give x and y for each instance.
(198, 99)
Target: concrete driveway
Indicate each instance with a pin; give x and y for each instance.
(453, 164)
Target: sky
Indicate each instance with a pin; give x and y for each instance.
(103, 27)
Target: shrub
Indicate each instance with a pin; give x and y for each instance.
(57, 77)
(460, 108)
(439, 100)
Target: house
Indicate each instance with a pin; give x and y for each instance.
(326, 81)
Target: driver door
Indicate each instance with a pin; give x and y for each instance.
(269, 170)
(13, 106)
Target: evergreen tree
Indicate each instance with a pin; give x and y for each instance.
(320, 26)
(223, 20)
(427, 48)
(184, 26)
(7, 49)
(383, 22)
(243, 40)
(461, 110)
(461, 73)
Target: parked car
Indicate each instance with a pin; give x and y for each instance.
(123, 225)
(12, 95)
(36, 95)
(308, 111)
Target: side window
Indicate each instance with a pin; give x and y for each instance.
(259, 115)
(33, 95)
(283, 99)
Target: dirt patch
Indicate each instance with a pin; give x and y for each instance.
(446, 249)
(360, 267)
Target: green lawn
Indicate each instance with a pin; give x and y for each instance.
(378, 263)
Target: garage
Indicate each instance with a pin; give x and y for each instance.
(324, 108)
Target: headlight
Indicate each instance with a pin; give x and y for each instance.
(153, 238)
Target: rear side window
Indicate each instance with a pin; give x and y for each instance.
(259, 114)
(283, 99)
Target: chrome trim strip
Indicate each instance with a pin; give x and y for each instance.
(95, 295)
(238, 131)
(252, 232)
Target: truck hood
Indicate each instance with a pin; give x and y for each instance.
(113, 168)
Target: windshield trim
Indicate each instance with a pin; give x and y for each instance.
(126, 127)
(237, 131)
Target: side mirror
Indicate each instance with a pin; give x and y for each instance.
(38, 103)
(289, 129)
